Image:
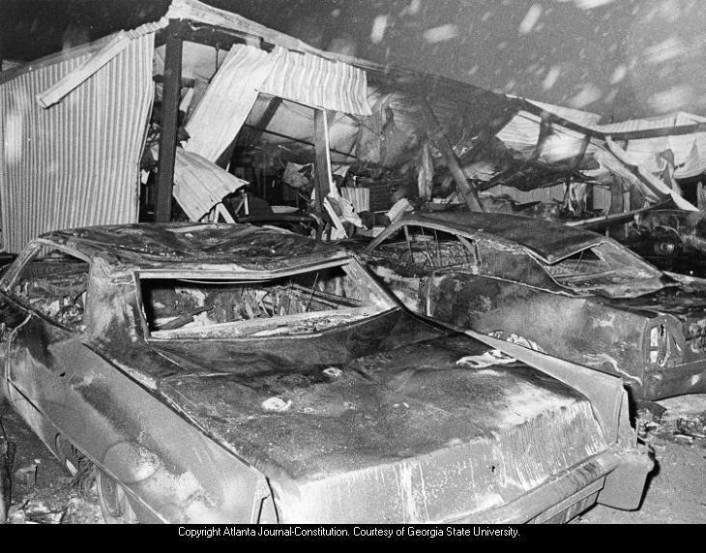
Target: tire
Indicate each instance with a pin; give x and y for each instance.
(114, 501)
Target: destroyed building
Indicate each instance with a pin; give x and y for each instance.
(231, 105)
(208, 117)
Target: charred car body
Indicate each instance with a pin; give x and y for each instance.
(575, 294)
(231, 373)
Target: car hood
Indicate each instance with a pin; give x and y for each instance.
(399, 426)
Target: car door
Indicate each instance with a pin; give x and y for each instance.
(47, 294)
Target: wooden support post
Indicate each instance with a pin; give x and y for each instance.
(169, 124)
(322, 174)
(436, 133)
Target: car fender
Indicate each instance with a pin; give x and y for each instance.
(170, 469)
(624, 486)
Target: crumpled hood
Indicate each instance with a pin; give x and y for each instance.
(444, 414)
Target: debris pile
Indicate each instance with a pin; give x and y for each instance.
(67, 501)
(65, 505)
(674, 425)
(25, 497)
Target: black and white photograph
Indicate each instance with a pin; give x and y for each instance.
(361, 270)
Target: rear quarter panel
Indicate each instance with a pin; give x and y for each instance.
(173, 471)
(581, 330)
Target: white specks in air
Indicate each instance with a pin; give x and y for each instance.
(530, 19)
(590, 4)
(509, 86)
(441, 33)
(630, 52)
(673, 98)
(666, 50)
(378, 31)
(618, 74)
(587, 95)
(551, 78)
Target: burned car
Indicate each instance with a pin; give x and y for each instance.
(572, 293)
(671, 239)
(230, 373)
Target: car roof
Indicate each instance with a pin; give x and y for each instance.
(550, 241)
(174, 245)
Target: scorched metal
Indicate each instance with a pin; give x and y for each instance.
(226, 373)
(572, 293)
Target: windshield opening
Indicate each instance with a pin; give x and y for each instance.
(604, 265)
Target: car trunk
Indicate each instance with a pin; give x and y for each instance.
(408, 435)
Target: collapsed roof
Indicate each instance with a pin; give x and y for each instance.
(647, 153)
(257, 83)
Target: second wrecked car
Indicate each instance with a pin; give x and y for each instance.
(572, 293)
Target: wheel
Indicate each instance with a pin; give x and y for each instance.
(81, 468)
(114, 501)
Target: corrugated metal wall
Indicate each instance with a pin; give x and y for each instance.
(317, 82)
(247, 71)
(77, 162)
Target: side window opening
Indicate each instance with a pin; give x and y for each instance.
(55, 284)
(512, 264)
(418, 251)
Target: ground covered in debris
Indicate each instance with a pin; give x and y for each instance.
(43, 492)
(676, 492)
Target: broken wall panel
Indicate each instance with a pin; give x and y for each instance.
(317, 82)
(228, 101)
(75, 163)
(199, 184)
(247, 71)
